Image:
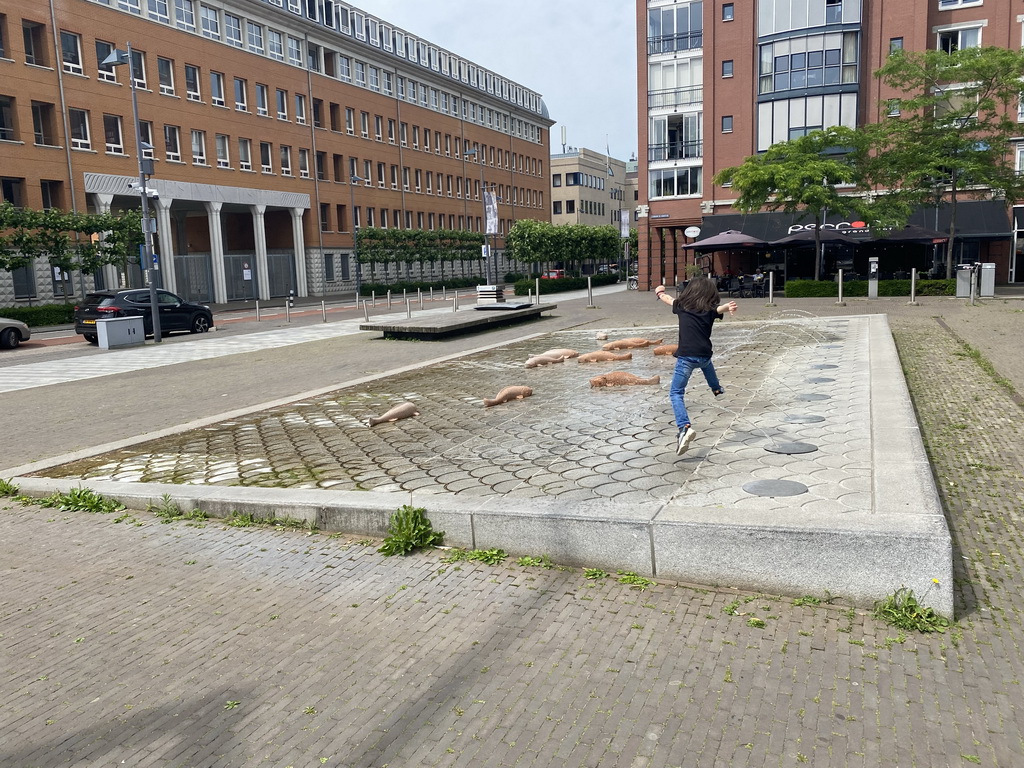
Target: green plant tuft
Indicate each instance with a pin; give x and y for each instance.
(409, 529)
(8, 488)
(81, 500)
(902, 610)
(634, 581)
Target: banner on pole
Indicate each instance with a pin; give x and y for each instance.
(491, 209)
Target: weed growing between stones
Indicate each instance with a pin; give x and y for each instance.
(903, 611)
(78, 500)
(408, 530)
(7, 488)
(489, 556)
(168, 511)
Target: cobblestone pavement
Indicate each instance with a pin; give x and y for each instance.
(126, 641)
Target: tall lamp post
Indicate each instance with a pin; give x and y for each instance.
(483, 199)
(352, 181)
(118, 57)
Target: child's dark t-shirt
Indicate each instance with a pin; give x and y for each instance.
(695, 332)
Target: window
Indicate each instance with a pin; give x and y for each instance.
(79, 120)
(146, 131)
(245, 154)
(304, 163)
(726, 123)
(266, 162)
(727, 12)
(138, 68)
(945, 5)
(295, 51)
(158, 10)
(198, 147)
(833, 11)
(345, 68)
(254, 34)
(7, 132)
(364, 124)
(951, 40)
(318, 113)
(300, 109)
(670, 29)
(241, 98)
(378, 127)
(3, 36)
(192, 83)
(350, 117)
(104, 71)
(325, 217)
(374, 79)
(52, 193)
(172, 143)
(389, 88)
(233, 30)
(112, 134)
(892, 108)
(209, 19)
(44, 123)
(675, 181)
(282, 104)
(895, 44)
(217, 89)
(381, 171)
(556, 207)
(329, 257)
(262, 100)
(360, 74)
(286, 160)
(556, 180)
(185, 15)
(71, 53)
(165, 70)
(223, 145)
(822, 60)
(275, 44)
(313, 57)
(727, 68)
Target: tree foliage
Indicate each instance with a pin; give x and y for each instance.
(949, 132)
(66, 239)
(537, 242)
(406, 246)
(810, 175)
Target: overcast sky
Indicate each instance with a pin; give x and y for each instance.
(580, 55)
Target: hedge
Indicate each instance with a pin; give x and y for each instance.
(558, 284)
(41, 315)
(802, 289)
(381, 289)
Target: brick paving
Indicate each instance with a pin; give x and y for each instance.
(129, 641)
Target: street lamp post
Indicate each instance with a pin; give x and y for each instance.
(117, 57)
(352, 181)
(483, 200)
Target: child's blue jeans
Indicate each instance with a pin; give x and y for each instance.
(681, 377)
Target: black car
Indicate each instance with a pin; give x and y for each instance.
(176, 314)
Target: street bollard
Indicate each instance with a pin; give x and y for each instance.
(537, 289)
(389, 298)
(913, 286)
(419, 294)
(431, 294)
(287, 312)
(323, 308)
(455, 304)
(373, 298)
(366, 312)
(405, 294)
(408, 309)
(529, 296)
(590, 294)
(841, 303)
(257, 310)
(444, 293)
(771, 288)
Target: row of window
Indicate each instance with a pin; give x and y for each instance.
(578, 179)
(589, 207)
(252, 35)
(335, 219)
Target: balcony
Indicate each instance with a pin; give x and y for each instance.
(675, 97)
(685, 41)
(675, 150)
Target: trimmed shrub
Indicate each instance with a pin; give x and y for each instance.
(42, 315)
(365, 289)
(802, 289)
(559, 284)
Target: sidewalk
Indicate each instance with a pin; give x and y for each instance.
(283, 648)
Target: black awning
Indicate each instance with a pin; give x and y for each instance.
(975, 218)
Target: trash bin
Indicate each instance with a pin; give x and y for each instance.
(988, 280)
(118, 332)
(964, 275)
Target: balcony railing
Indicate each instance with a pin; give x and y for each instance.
(675, 150)
(685, 41)
(675, 97)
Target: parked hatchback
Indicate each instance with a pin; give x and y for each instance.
(176, 314)
(12, 333)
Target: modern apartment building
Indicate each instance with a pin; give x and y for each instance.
(276, 128)
(587, 187)
(719, 81)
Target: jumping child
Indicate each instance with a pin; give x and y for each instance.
(697, 308)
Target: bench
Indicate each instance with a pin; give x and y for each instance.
(438, 325)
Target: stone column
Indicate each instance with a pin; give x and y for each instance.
(166, 241)
(111, 277)
(259, 231)
(220, 287)
(299, 245)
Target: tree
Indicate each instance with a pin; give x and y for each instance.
(948, 135)
(803, 176)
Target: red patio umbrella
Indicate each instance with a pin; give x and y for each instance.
(729, 240)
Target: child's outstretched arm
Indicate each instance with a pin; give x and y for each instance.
(729, 307)
(659, 291)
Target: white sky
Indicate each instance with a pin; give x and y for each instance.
(580, 55)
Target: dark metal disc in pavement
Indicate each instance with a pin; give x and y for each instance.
(791, 448)
(820, 380)
(809, 396)
(775, 488)
(803, 418)
(823, 366)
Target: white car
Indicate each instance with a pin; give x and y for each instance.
(12, 333)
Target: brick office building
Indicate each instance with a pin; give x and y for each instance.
(259, 115)
(719, 81)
